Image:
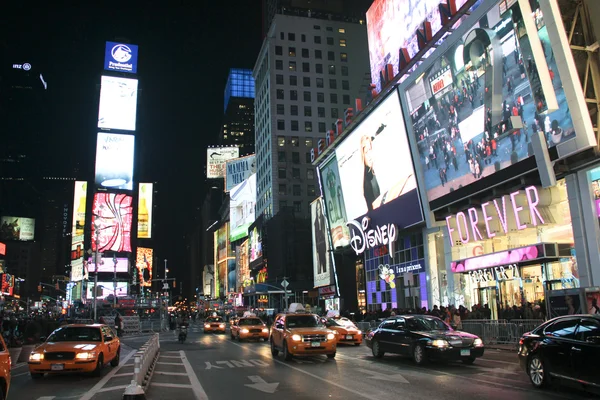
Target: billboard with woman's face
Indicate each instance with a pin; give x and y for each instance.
(375, 169)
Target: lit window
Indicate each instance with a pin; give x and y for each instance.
(341, 30)
(344, 57)
(342, 42)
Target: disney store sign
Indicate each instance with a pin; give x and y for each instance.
(364, 238)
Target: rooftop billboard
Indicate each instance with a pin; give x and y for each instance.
(216, 157)
(120, 57)
(17, 228)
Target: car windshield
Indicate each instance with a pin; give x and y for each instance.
(333, 322)
(214, 319)
(427, 324)
(250, 321)
(76, 334)
(303, 321)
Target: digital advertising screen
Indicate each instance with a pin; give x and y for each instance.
(77, 254)
(114, 161)
(241, 208)
(333, 197)
(107, 264)
(118, 103)
(106, 289)
(497, 92)
(145, 194)
(376, 171)
(255, 239)
(392, 25)
(79, 205)
(216, 158)
(121, 57)
(320, 245)
(112, 213)
(17, 228)
(8, 284)
(143, 262)
(238, 170)
(242, 264)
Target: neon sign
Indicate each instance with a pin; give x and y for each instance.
(363, 238)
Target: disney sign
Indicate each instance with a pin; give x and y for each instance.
(363, 238)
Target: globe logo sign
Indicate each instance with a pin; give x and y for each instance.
(121, 53)
(26, 66)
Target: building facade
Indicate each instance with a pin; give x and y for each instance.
(238, 118)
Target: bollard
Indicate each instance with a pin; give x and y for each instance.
(142, 362)
(134, 392)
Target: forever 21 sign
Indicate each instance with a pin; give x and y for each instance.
(501, 273)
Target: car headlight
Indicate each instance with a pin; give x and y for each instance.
(330, 336)
(440, 343)
(36, 357)
(478, 342)
(245, 330)
(85, 356)
(296, 338)
(221, 325)
(359, 333)
(265, 330)
(206, 325)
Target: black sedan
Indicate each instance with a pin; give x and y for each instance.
(424, 338)
(566, 348)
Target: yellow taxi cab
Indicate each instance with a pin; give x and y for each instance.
(300, 333)
(347, 332)
(214, 324)
(76, 348)
(5, 364)
(249, 327)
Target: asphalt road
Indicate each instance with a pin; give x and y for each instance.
(109, 386)
(214, 367)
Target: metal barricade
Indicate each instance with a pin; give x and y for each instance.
(501, 331)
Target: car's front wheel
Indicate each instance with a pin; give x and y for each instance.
(99, 365)
(287, 356)
(115, 361)
(376, 349)
(274, 351)
(419, 354)
(331, 356)
(537, 371)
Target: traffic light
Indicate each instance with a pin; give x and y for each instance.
(174, 284)
(57, 286)
(40, 288)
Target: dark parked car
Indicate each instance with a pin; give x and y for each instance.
(424, 338)
(566, 348)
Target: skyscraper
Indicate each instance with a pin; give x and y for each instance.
(308, 72)
(238, 119)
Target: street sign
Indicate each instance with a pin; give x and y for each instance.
(165, 286)
(285, 283)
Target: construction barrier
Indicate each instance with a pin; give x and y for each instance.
(143, 361)
(131, 324)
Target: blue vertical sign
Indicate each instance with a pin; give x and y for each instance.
(121, 57)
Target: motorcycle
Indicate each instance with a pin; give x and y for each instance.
(182, 333)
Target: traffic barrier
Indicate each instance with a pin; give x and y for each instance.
(131, 324)
(143, 362)
(500, 331)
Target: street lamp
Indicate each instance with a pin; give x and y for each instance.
(97, 241)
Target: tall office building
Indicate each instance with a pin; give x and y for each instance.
(308, 72)
(238, 119)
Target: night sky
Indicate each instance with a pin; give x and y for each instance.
(185, 52)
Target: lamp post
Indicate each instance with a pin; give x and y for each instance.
(165, 304)
(115, 283)
(97, 240)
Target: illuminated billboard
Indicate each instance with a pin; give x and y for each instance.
(118, 103)
(255, 243)
(333, 197)
(114, 161)
(216, 157)
(144, 230)
(242, 265)
(505, 87)
(106, 289)
(77, 254)
(238, 170)
(113, 214)
(8, 284)
(107, 264)
(392, 25)
(241, 208)
(225, 274)
(79, 204)
(121, 57)
(376, 173)
(320, 245)
(17, 228)
(144, 262)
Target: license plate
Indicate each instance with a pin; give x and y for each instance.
(57, 367)
(348, 337)
(465, 352)
(315, 344)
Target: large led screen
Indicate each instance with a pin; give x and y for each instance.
(333, 198)
(112, 213)
(144, 230)
(17, 228)
(77, 254)
(376, 171)
(114, 161)
(238, 170)
(8, 284)
(320, 245)
(241, 208)
(242, 265)
(118, 103)
(392, 25)
(255, 240)
(493, 99)
(143, 263)
(106, 289)
(216, 157)
(107, 264)
(79, 204)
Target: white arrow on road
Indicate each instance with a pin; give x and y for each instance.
(259, 383)
(386, 377)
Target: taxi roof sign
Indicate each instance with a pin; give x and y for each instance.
(296, 307)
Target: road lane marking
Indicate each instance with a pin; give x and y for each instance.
(172, 385)
(123, 374)
(19, 365)
(167, 363)
(498, 361)
(90, 393)
(309, 374)
(259, 383)
(46, 398)
(170, 373)
(169, 357)
(398, 378)
(21, 374)
(196, 386)
(111, 388)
